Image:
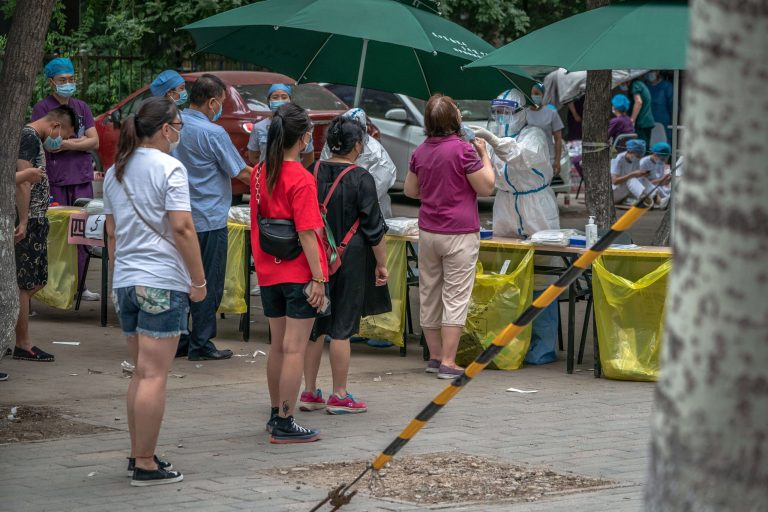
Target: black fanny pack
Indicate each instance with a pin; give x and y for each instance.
(277, 237)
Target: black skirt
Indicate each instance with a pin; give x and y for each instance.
(353, 290)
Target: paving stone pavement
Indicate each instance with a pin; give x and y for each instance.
(214, 427)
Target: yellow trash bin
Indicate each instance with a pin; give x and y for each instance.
(630, 293)
(233, 300)
(62, 262)
(390, 326)
(498, 299)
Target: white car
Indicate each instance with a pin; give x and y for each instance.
(400, 120)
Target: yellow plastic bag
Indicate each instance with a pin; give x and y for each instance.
(62, 262)
(498, 299)
(390, 326)
(630, 294)
(235, 283)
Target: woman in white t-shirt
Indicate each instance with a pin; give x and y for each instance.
(157, 269)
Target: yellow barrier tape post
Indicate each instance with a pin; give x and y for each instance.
(339, 497)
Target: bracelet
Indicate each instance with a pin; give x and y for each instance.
(319, 280)
(201, 286)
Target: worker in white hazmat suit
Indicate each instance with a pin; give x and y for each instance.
(375, 160)
(524, 203)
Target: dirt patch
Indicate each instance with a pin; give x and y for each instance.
(447, 478)
(28, 423)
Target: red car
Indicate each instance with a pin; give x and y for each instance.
(245, 105)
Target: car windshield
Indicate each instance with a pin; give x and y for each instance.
(308, 96)
(471, 110)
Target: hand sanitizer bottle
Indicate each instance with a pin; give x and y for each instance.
(590, 230)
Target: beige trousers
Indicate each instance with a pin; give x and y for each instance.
(446, 276)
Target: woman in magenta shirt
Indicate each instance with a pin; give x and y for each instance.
(447, 174)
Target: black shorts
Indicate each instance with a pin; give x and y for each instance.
(32, 255)
(288, 299)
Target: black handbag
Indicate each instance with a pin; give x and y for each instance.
(277, 237)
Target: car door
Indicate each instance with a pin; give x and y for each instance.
(109, 133)
(399, 138)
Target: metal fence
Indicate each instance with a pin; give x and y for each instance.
(104, 80)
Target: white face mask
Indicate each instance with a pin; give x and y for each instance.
(174, 145)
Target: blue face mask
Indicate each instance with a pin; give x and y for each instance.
(217, 115)
(275, 104)
(309, 146)
(66, 90)
(53, 143)
(624, 87)
(183, 97)
(466, 133)
(537, 99)
(652, 76)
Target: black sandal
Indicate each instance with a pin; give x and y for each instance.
(32, 355)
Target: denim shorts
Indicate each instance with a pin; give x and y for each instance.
(154, 312)
(288, 299)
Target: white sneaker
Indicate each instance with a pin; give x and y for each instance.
(256, 291)
(664, 202)
(90, 296)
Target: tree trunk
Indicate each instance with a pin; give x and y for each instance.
(596, 160)
(709, 447)
(23, 57)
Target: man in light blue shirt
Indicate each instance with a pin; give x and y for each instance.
(211, 161)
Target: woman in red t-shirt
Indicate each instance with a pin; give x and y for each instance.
(283, 189)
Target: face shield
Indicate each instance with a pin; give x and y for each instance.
(507, 117)
(358, 114)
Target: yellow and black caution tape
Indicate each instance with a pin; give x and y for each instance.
(339, 497)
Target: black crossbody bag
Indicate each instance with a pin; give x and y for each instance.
(277, 237)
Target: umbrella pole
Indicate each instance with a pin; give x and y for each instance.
(361, 69)
(673, 162)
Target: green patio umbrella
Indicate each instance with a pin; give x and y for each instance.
(377, 44)
(637, 34)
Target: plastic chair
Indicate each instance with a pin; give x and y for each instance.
(658, 134)
(620, 143)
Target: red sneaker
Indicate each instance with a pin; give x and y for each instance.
(311, 401)
(345, 405)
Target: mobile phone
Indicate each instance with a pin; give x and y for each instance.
(326, 299)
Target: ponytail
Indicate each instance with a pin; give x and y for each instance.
(275, 147)
(152, 115)
(127, 144)
(289, 123)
